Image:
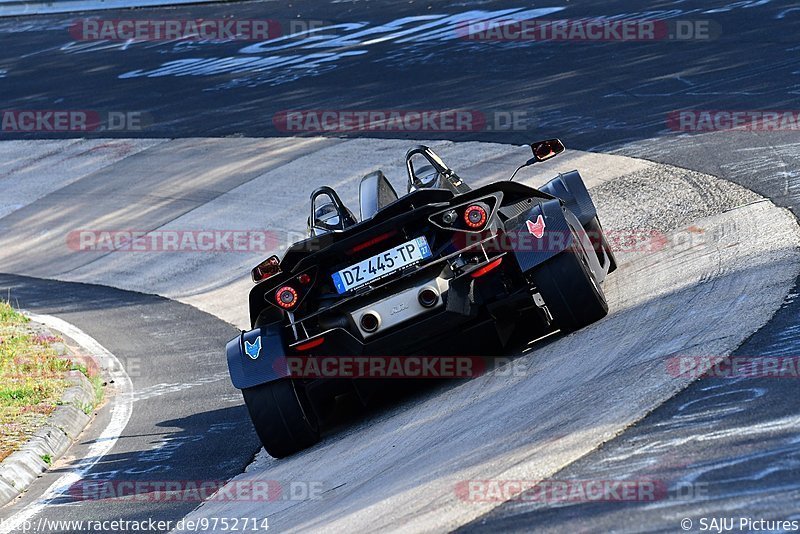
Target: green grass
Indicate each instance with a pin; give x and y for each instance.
(32, 379)
(97, 384)
(9, 316)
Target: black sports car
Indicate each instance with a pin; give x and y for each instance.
(442, 269)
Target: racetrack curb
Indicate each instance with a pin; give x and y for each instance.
(53, 439)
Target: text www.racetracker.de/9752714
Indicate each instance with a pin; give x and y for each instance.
(105, 526)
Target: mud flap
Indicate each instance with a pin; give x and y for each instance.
(532, 248)
(257, 357)
(570, 188)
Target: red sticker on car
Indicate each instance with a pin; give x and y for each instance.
(537, 228)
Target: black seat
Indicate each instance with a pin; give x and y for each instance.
(374, 193)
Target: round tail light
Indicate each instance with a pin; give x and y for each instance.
(475, 216)
(286, 297)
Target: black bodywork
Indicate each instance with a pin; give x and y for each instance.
(486, 278)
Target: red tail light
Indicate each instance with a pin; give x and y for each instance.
(314, 343)
(475, 216)
(286, 297)
(370, 242)
(489, 267)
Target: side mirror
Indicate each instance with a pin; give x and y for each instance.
(267, 268)
(544, 150)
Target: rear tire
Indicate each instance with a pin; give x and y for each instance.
(570, 291)
(282, 416)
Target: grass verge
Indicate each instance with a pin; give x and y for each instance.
(32, 378)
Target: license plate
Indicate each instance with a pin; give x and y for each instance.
(381, 265)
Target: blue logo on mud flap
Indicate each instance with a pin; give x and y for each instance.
(253, 349)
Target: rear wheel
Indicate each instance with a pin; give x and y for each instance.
(569, 290)
(282, 416)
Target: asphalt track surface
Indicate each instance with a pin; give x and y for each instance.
(611, 96)
(224, 175)
(179, 384)
(206, 184)
(573, 393)
(378, 56)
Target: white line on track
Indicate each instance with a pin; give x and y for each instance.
(122, 405)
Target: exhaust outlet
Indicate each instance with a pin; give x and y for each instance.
(401, 307)
(428, 297)
(370, 322)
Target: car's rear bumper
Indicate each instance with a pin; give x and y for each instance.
(474, 312)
